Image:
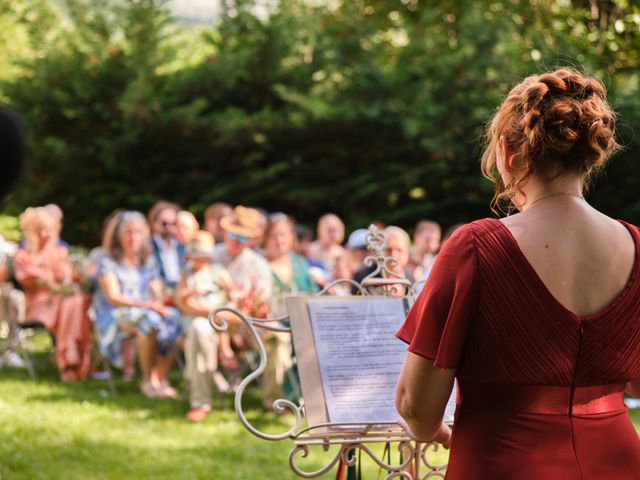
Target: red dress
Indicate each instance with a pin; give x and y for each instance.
(540, 388)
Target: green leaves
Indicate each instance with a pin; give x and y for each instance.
(368, 108)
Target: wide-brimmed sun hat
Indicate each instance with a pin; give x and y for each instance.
(201, 245)
(243, 221)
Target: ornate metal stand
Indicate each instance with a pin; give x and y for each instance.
(415, 455)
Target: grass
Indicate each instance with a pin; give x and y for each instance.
(50, 430)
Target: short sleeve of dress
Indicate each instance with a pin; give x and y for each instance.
(106, 264)
(437, 324)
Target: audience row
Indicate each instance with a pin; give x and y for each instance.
(151, 284)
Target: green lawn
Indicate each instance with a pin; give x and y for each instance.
(50, 430)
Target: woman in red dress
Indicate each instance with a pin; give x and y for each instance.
(536, 315)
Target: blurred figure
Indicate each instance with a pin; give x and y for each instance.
(250, 272)
(12, 151)
(357, 247)
(56, 213)
(290, 276)
(304, 238)
(12, 307)
(426, 242)
(203, 287)
(212, 216)
(397, 246)
(345, 266)
(90, 275)
(258, 242)
(168, 251)
(187, 226)
(328, 246)
(128, 303)
(44, 272)
(317, 268)
(290, 270)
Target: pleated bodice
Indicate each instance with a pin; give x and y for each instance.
(522, 334)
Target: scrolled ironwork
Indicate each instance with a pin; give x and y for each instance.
(344, 454)
(279, 405)
(435, 471)
(303, 451)
(346, 435)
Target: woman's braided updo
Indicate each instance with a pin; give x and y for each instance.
(555, 123)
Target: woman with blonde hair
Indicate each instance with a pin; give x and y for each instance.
(536, 315)
(44, 272)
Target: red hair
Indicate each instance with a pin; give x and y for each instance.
(555, 123)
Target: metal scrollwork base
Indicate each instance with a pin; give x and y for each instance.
(414, 454)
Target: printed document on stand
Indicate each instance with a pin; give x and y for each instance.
(359, 357)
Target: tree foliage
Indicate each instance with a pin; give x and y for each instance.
(373, 109)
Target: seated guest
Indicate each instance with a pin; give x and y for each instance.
(12, 306)
(187, 226)
(44, 272)
(167, 249)
(291, 275)
(321, 275)
(127, 303)
(357, 246)
(250, 272)
(426, 242)
(397, 245)
(212, 216)
(304, 236)
(90, 274)
(202, 288)
(58, 216)
(328, 245)
(345, 267)
(290, 270)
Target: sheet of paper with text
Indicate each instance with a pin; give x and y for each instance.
(360, 358)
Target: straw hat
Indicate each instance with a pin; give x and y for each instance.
(243, 221)
(201, 245)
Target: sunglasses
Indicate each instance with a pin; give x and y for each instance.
(239, 238)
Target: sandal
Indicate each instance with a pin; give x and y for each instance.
(72, 356)
(149, 391)
(166, 391)
(197, 414)
(69, 375)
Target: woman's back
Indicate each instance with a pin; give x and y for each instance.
(583, 257)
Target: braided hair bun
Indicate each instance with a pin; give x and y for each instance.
(555, 123)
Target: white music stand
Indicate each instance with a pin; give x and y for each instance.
(415, 455)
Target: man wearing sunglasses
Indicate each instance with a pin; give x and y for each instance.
(248, 269)
(169, 252)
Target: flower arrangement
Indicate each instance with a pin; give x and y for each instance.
(249, 299)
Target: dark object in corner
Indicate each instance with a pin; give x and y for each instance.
(12, 150)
